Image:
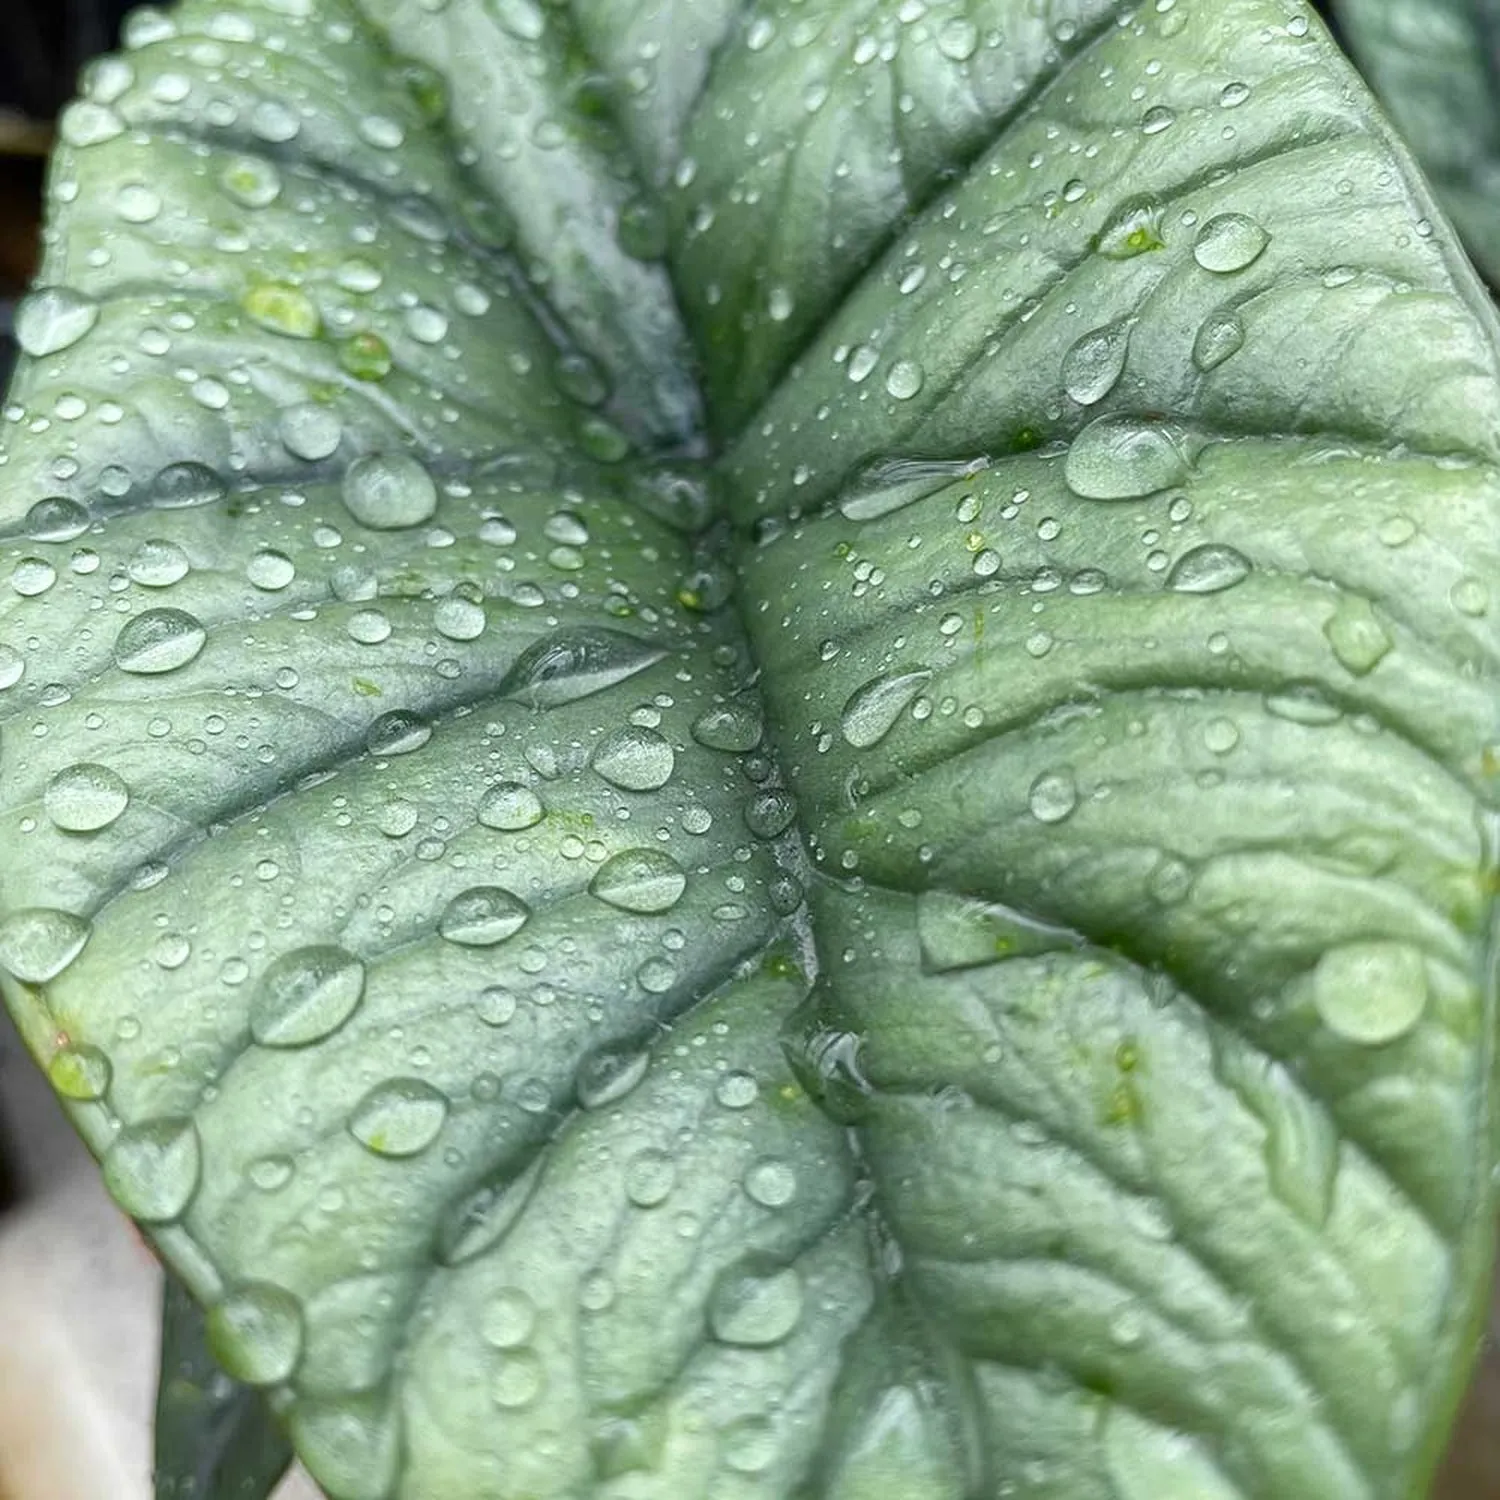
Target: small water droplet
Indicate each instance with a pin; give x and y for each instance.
(608, 1076)
(80, 1072)
(904, 379)
(735, 728)
(399, 732)
(310, 431)
(519, 1380)
(1133, 229)
(771, 1182)
(508, 1319)
(271, 571)
(1359, 640)
(282, 309)
(399, 1118)
(649, 1178)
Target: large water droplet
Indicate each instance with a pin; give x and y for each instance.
(640, 880)
(481, 1220)
(1092, 367)
(85, 798)
(1371, 992)
(872, 710)
(755, 1305)
(483, 916)
(38, 942)
(184, 485)
(158, 564)
(399, 732)
(961, 932)
(283, 309)
(54, 318)
(56, 519)
(635, 759)
(305, 996)
(401, 1117)
(1358, 638)
(1220, 338)
(1208, 570)
(572, 664)
(389, 491)
(1124, 458)
(891, 484)
(608, 1076)
(256, 1333)
(152, 1169)
(1228, 243)
(1053, 796)
(1133, 229)
(508, 1319)
(80, 1072)
(734, 728)
(310, 431)
(160, 640)
(510, 807)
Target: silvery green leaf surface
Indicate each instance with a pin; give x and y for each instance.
(1434, 65)
(748, 749)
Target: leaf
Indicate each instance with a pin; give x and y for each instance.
(916, 925)
(214, 1438)
(1433, 66)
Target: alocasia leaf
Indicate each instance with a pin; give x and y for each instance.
(915, 926)
(215, 1440)
(1436, 67)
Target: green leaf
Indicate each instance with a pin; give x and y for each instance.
(215, 1439)
(1433, 64)
(896, 906)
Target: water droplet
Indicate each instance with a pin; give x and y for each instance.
(1133, 229)
(389, 491)
(56, 519)
(1220, 338)
(737, 1090)
(1358, 638)
(957, 38)
(182, 486)
(159, 640)
(1471, 597)
(771, 1182)
(251, 180)
(643, 229)
(152, 1169)
(1229, 242)
(158, 564)
(401, 1117)
(872, 710)
(366, 356)
(256, 1333)
(573, 664)
(904, 379)
(510, 807)
(38, 942)
(483, 916)
(635, 759)
(12, 666)
(649, 1178)
(32, 577)
(85, 798)
(271, 571)
(1124, 458)
(310, 431)
(1053, 796)
(1208, 570)
(755, 1305)
(53, 318)
(640, 880)
(85, 123)
(399, 732)
(80, 1072)
(961, 932)
(1157, 119)
(459, 619)
(769, 814)
(1303, 703)
(519, 1380)
(305, 996)
(508, 1319)
(735, 728)
(1371, 992)
(478, 1222)
(1092, 367)
(608, 1076)
(891, 484)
